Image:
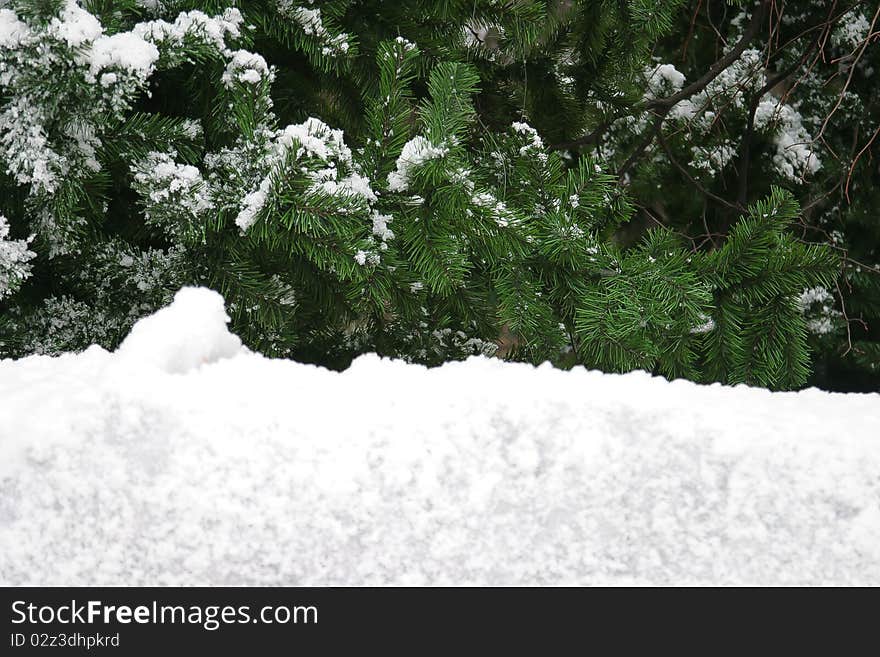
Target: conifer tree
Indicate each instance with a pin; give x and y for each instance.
(426, 180)
(739, 97)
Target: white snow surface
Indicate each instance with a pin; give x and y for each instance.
(185, 459)
(188, 333)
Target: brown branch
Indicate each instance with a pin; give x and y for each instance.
(693, 181)
(660, 107)
(751, 31)
(743, 168)
(591, 138)
(826, 27)
(642, 147)
(849, 77)
(856, 161)
(690, 33)
(845, 319)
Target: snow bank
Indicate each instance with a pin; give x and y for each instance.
(188, 333)
(184, 459)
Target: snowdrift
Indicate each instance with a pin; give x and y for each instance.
(184, 459)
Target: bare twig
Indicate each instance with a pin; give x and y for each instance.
(693, 181)
(690, 33)
(660, 107)
(751, 31)
(647, 140)
(856, 160)
(849, 77)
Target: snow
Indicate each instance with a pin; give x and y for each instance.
(380, 226)
(75, 25)
(310, 139)
(189, 333)
(14, 260)
(405, 44)
(25, 147)
(795, 157)
(251, 205)
(851, 31)
(312, 24)
(126, 50)
(663, 80)
(44, 142)
(813, 295)
(12, 30)
(195, 24)
(364, 258)
(794, 154)
(314, 139)
(534, 145)
(415, 153)
(159, 177)
(310, 20)
(817, 305)
(185, 459)
(713, 159)
(245, 67)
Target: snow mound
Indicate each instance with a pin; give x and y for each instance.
(184, 459)
(189, 333)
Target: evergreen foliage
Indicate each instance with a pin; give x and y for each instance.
(427, 180)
